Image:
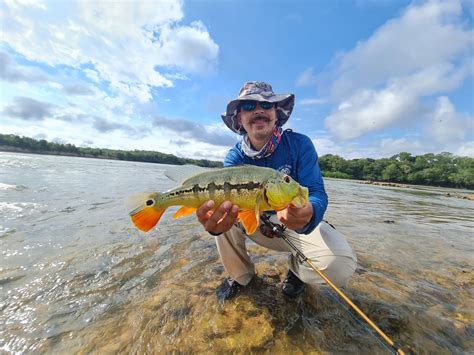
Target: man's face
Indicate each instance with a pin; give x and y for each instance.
(259, 122)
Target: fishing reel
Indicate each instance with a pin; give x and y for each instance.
(270, 229)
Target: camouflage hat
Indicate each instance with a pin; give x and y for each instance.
(258, 91)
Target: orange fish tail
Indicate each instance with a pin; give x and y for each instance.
(146, 218)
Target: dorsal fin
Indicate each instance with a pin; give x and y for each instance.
(180, 173)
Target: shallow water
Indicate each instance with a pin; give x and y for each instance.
(76, 276)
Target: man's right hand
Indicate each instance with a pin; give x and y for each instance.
(220, 220)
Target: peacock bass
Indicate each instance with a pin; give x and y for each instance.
(254, 189)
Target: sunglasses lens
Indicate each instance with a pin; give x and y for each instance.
(249, 105)
(266, 105)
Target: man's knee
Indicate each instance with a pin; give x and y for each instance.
(339, 269)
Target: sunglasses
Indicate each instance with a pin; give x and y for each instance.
(251, 105)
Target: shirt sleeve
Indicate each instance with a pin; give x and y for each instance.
(309, 175)
(233, 157)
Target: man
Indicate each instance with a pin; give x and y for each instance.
(258, 114)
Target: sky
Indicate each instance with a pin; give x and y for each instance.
(372, 78)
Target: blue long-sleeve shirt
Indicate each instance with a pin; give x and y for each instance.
(296, 156)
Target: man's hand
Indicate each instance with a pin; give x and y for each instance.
(220, 220)
(296, 218)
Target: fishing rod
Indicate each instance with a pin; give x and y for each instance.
(277, 230)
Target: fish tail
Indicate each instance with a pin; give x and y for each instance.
(146, 211)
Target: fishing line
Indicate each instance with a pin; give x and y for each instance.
(276, 230)
(303, 242)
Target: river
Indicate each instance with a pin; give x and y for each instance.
(77, 277)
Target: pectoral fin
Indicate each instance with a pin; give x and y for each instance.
(257, 206)
(249, 221)
(184, 211)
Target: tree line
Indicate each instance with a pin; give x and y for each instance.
(444, 169)
(30, 145)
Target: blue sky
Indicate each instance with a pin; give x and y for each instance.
(371, 78)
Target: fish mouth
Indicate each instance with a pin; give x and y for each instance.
(301, 199)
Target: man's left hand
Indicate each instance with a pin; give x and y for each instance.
(296, 218)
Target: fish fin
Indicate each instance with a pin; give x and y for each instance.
(248, 220)
(181, 173)
(184, 211)
(257, 206)
(144, 216)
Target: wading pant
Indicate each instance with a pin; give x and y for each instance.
(325, 247)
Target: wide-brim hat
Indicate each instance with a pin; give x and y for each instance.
(258, 91)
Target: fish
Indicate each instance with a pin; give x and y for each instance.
(254, 189)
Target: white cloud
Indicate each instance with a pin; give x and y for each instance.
(370, 110)
(190, 48)
(447, 125)
(425, 35)
(388, 147)
(466, 150)
(382, 82)
(123, 43)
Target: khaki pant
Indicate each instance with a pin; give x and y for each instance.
(325, 247)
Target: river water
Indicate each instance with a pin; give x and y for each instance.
(77, 277)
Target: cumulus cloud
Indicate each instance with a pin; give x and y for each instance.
(383, 80)
(10, 71)
(405, 45)
(196, 131)
(130, 45)
(190, 48)
(28, 109)
(447, 125)
(371, 110)
(388, 147)
(466, 150)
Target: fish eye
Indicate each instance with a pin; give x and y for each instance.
(149, 202)
(286, 178)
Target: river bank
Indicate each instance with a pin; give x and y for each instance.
(463, 196)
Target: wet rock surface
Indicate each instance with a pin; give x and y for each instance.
(182, 314)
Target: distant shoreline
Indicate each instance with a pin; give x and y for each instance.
(15, 144)
(65, 154)
(402, 169)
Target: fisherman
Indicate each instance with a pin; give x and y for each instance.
(258, 115)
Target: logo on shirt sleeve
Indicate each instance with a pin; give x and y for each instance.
(285, 169)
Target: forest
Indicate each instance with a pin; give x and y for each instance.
(10, 142)
(444, 169)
